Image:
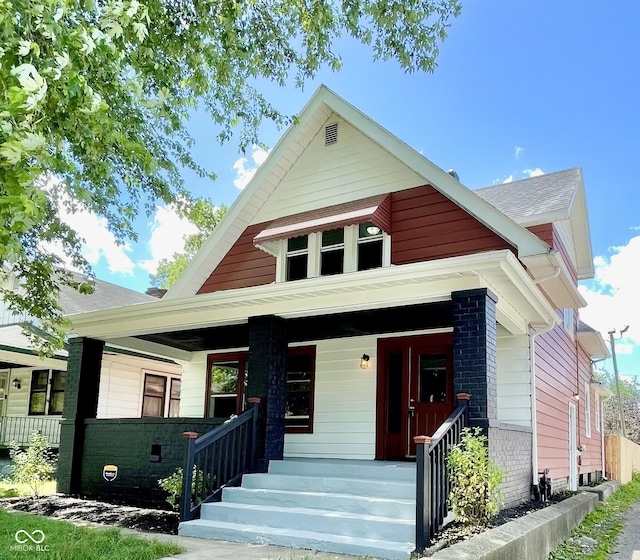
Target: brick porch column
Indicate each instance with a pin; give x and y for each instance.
(80, 402)
(474, 353)
(268, 380)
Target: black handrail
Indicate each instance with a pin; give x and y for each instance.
(217, 459)
(432, 482)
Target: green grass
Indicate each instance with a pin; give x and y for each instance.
(10, 490)
(603, 525)
(64, 541)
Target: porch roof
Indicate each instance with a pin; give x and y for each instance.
(177, 328)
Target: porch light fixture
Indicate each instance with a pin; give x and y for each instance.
(364, 361)
(576, 396)
(373, 230)
(16, 383)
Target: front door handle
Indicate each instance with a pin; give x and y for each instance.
(412, 408)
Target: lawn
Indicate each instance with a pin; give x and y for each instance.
(59, 540)
(10, 490)
(601, 527)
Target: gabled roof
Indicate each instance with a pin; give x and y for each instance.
(105, 296)
(323, 103)
(548, 198)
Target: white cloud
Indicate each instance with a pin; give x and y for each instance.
(245, 170)
(518, 152)
(533, 172)
(509, 179)
(168, 232)
(612, 300)
(99, 242)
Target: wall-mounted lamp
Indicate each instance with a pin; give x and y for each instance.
(576, 396)
(364, 361)
(373, 230)
(16, 383)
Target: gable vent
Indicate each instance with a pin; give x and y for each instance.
(331, 134)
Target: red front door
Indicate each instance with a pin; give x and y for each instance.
(415, 391)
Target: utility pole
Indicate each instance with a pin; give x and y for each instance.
(615, 372)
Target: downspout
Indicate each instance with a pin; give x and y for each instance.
(534, 413)
(532, 360)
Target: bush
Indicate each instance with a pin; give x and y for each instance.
(34, 465)
(173, 485)
(474, 479)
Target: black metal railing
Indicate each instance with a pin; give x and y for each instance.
(217, 459)
(20, 428)
(432, 481)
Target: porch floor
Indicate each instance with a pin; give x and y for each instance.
(333, 505)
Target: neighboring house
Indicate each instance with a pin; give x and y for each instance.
(32, 388)
(356, 289)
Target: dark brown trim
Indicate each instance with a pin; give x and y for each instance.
(438, 342)
(241, 357)
(301, 351)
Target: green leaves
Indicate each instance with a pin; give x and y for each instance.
(95, 97)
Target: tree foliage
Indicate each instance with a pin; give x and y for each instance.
(630, 398)
(95, 95)
(205, 216)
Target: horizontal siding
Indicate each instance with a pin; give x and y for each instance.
(122, 383)
(193, 388)
(514, 380)
(562, 369)
(18, 399)
(243, 266)
(356, 167)
(426, 225)
(344, 424)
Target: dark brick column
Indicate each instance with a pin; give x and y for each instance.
(474, 352)
(268, 380)
(80, 402)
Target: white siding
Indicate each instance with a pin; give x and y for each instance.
(354, 168)
(18, 399)
(122, 381)
(194, 383)
(344, 424)
(514, 379)
(565, 234)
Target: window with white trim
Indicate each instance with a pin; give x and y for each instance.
(587, 409)
(568, 321)
(335, 251)
(596, 404)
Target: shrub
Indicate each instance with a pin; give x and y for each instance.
(474, 479)
(34, 465)
(173, 485)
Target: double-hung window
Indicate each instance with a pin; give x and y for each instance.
(46, 394)
(370, 246)
(332, 252)
(297, 257)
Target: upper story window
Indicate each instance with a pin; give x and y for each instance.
(332, 252)
(335, 251)
(370, 246)
(568, 321)
(297, 257)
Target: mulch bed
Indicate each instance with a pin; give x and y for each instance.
(76, 509)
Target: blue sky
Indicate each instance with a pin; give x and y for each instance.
(521, 88)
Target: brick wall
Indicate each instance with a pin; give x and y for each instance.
(474, 353)
(126, 443)
(510, 447)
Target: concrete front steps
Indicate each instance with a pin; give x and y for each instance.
(350, 507)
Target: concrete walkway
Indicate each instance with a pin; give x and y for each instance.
(628, 546)
(203, 549)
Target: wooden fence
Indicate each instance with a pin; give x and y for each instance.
(622, 458)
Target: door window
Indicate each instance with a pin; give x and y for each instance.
(432, 374)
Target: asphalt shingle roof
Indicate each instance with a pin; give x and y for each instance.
(522, 201)
(105, 296)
